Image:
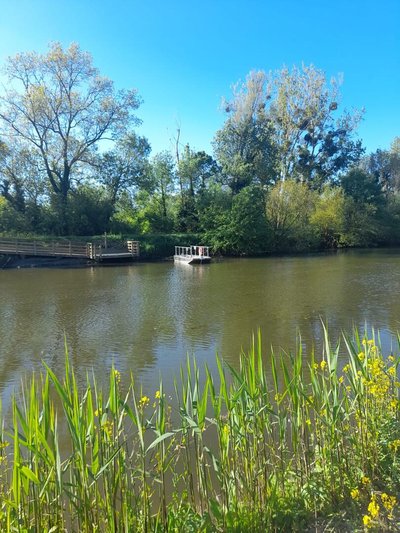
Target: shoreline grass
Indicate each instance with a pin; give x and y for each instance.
(281, 445)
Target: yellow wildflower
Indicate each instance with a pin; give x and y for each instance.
(107, 427)
(394, 445)
(158, 394)
(355, 494)
(367, 520)
(144, 400)
(373, 507)
(392, 371)
(361, 356)
(346, 368)
(391, 358)
(308, 422)
(323, 365)
(365, 480)
(388, 501)
(341, 379)
(315, 366)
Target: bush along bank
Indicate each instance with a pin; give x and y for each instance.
(278, 446)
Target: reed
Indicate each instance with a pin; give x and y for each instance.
(281, 443)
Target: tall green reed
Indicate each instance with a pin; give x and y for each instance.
(274, 444)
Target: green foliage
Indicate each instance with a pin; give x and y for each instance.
(314, 143)
(362, 187)
(390, 220)
(160, 246)
(277, 444)
(362, 226)
(60, 112)
(283, 142)
(126, 167)
(328, 218)
(245, 145)
(243, 229)
(10, 220)
(289, 207)
(89, 210)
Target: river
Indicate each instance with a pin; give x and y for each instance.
(145, 317)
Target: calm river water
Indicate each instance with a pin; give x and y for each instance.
(145, 318)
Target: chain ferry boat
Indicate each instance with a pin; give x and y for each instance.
(192, 255)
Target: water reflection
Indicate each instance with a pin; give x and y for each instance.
(145, 318)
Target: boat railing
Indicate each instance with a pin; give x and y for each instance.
(192, 251)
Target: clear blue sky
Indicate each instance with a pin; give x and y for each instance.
(183, 57)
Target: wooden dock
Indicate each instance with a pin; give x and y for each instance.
(90, 250)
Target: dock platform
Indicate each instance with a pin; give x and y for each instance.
(92, 251)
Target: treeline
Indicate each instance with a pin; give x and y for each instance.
(287, 172)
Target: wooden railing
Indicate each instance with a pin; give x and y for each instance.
(133, 247)
(63, 249)
(51, 248)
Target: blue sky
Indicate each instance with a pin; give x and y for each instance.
(183, 57)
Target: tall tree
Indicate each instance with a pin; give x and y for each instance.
(314, 143)
(20, 177)
(195, 170)
(60, 106)
(385, 166)
(285, 125)
(244, 146)
(362, 186)
(288, 208)
(161, 181)
(125, 167)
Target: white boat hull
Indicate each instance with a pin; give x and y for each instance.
(192, 259)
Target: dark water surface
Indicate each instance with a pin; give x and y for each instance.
(146, 317)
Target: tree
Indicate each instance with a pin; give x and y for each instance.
(60, 107)
(243, 228)
(289, 207)
(125, 167)
(385, 166)
(195, 170)
(364, 208)
(314, 146)
(328, 219)
(362, 186)
(244, 146)
(161, 184)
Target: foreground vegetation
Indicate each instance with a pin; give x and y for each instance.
(277, 447)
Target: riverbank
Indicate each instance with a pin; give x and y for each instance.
(296, 448)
